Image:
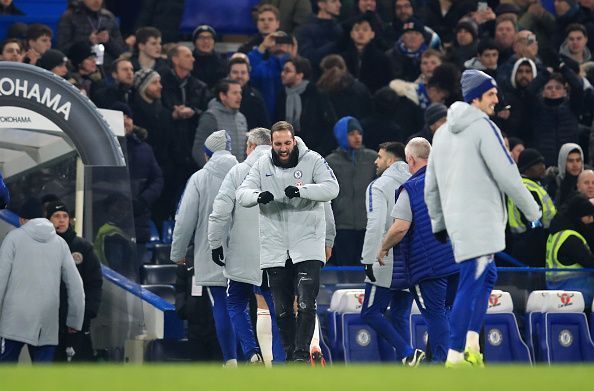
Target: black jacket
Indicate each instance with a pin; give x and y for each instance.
(354, 100)
(317, 39)
(209, 68)
(253, 108)
(89, 268)
(163, 15)
(317, 119)
(105, 95)
(372, 67)
(573, 250)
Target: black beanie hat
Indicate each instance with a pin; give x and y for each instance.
(56, 206)
(528, 158)
(79, 52)
(51, 59)
(579, 206)
(31, 209)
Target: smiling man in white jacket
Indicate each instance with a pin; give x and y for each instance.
(469, 173)
(291, 185)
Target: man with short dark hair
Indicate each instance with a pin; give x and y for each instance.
(148, 50)
(308, 110)
(122, 72)
(252, 103)
(11, 49)
(34, 259)
(291, 186)
(575, 44)
(223, 113)
(486, 58)
(267, 22)
(39, 40)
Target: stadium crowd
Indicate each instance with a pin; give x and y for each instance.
(347, 79)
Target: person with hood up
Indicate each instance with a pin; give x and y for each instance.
(89, 268)
(33, 261)
(528, 245)
(291, 185)
(468, 174)
(353, 165)
(381, 288)
(236, 226)
(567, 248)
(562, 179)
(223, 113)
(192, 219)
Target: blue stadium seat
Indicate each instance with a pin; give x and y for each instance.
(226, 16)
(418, 328)
(159, 274)
(36, 11)
(360, 343)
(503, 340)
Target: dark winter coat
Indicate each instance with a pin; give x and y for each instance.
(209, 67)
(105, 95)
(372, 67)
(163, 15)
(354, 100)
(253, 108)
(319, 38)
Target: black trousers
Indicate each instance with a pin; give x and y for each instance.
(301, 280)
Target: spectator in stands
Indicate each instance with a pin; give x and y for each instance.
(267, 61)
(7, 7)
(267, 22)
(566, 13)
(309, 111)
(223, 113)
(562, 179)
(191, 221)
(54, 61)
(166, 16)
(403, 11)
(11, 50)
(486, 58)
(556, 113)
(539, 20)
(146, 179)
(39, 40)
(505, 32)
(148, 50)
(152, 115)
(293, 13)
(382, 289)
(524, 46)
(528, 245)
(567, 248)
(322, 34)
(586, 17)
(353, 165)
(585, 183)
(435, 116)
(443, 16)
(33, 259)
(210, 66)
(405, 56)
(368, 10)
(252, 106)
(516, 146)
(465, 43)
(384, 123)
(196, 309)
(363, 58)
(348, 95)
(575, 44)
(84, 62)
(122, 72)
(187, 98)
(4, 194)
(90, 22)
(89, 269)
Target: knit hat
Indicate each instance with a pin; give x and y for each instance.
(53, 207)
(354, 124)
(143, 78)
(31, 209)
(413, 25)
(434, 113)
(528, 158)
(217, 141)
(475, 83)
(51, 59)
(203, 28)
(79, 52)
(579, 206)
(468, 25)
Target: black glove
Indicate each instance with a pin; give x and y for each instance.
(292, 191)
(265, 197)
(369, 272)
(218, 256)
(441, 236)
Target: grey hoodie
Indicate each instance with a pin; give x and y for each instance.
(379, 200)
(219, 117)
(291, 228)
(468, 175)
(192, 218)
(33, 261)
(565, 51)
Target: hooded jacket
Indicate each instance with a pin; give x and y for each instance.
(192, 218)
(33, 261)
(354, 170)
(564, 50)
(219, 117)
(560, 185)
(291, 228)
(466, 194)
(379, 202)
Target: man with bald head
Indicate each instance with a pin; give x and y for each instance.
(585, 183)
